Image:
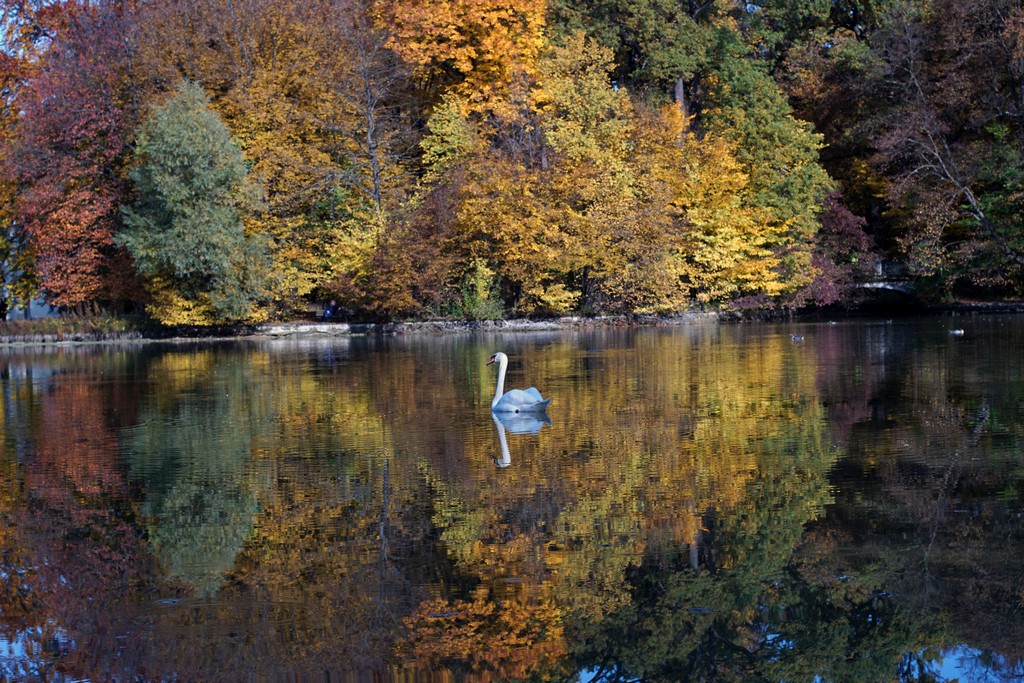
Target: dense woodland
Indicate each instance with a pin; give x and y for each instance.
(236, 160)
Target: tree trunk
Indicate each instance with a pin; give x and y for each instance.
(680, 93)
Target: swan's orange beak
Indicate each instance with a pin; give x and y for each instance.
(491, 361)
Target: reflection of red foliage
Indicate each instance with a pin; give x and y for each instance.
(76, 454)
(847, 395)
(81, 554)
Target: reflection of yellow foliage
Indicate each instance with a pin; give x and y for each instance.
(710, 420)
(307, 405)
(179, 371)
(642, 451)
(10, 496)
(509, 640)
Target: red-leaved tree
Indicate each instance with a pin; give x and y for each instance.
(69, 149)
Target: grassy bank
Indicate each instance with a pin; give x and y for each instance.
(74, 328)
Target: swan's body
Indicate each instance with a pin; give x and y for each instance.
(514, 400)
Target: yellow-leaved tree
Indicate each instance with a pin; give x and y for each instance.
(727, 251)
(587, 124)
(543, 187)
(651, 278)
(507, 216)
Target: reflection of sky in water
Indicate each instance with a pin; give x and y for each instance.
(12, 652)
(21, 656)
(962, 663)
(969, 664)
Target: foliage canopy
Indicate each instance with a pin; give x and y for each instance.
(401, 147)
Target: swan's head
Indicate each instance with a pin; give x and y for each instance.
(497, 358)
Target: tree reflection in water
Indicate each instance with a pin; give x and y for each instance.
(709, 503)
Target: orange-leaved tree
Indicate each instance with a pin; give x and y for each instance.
(473, 48)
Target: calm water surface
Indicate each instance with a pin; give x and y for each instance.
(713, 502)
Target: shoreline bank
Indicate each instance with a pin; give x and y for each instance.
(345, 329)
(441, 327)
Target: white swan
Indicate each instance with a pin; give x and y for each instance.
(516, 400)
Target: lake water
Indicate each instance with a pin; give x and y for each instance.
(704, 502)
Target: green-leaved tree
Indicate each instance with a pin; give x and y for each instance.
(186, 227)
(744, 105)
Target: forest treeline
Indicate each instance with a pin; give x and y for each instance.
(230, 160)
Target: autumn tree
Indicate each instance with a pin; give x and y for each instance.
(780, 154)
(541, 188)
(613, 208)
(546, 214)
(949, 138)
(728, 251)
(11, 67)
(372, 86)
(16, 263)
(370, 144)
(778, 26)
(587, 123)
(185, 228)
(506, 215)
(659, 47)
(315, 97)
(68, 149)
(476, 50)
(475, 67)
(706, 57)
(844, 255)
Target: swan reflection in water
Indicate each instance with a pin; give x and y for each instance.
(517, 423)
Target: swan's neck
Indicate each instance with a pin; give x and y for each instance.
(499, 390)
